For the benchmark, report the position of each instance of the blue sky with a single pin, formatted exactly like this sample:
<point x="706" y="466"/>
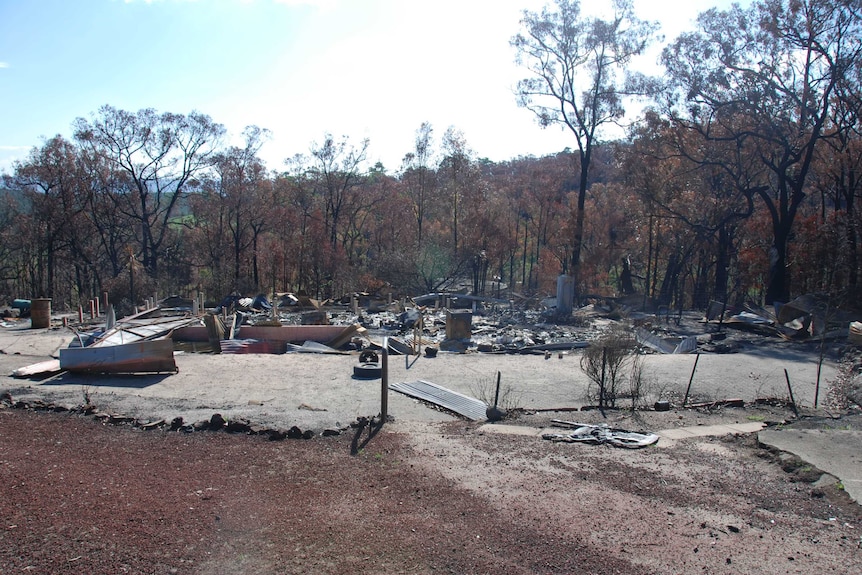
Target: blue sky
<point x="300" y="68"/>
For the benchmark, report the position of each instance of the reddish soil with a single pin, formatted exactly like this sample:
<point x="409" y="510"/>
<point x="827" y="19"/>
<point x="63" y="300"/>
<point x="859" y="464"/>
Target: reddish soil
<point x="78" y="496"/>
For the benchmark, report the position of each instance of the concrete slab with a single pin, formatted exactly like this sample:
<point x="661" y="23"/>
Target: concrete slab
<point x="503" y="429"/>
<point x="679" y="433"/>
<point x="837" y="452"/>
<point x="752" y="427"/>
<point x="710" y="430"/>
<point x="536" y="383"/>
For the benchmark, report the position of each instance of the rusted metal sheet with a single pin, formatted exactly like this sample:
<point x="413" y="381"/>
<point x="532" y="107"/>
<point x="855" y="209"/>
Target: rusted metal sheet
<point x="152" y="356"/>
<point x="469" y="407"/>
<point x="287" y="333"/>
<point x="346" y="336"/>
<point x="242" y="346"/>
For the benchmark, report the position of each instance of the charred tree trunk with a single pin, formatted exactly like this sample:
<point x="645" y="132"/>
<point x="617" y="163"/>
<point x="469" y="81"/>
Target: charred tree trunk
<point x="722" y="264"/>
<point x="626" y="285"/>
<point x="578" y="236"/>
<point x="777" y="287"/>
<point x="672" y="271"/>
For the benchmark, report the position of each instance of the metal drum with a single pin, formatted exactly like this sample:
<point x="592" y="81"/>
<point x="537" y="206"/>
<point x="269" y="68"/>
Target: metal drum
<point x="40" y="313"/>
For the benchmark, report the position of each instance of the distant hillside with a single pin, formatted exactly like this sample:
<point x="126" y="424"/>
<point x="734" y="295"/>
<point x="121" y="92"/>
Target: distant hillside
<point x="17" y="200"/>
<point x="14" y="199"/>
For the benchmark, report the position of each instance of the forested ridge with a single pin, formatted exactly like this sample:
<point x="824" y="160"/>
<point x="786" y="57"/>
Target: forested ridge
<point x="739" y="182"/>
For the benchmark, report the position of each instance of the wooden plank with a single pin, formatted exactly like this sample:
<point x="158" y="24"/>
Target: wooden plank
<point x="50" y="366"/>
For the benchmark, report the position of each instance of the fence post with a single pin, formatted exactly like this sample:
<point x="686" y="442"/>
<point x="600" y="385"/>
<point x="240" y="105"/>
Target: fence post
<point x="384" y="381"/>
<point x="690" y="379"/>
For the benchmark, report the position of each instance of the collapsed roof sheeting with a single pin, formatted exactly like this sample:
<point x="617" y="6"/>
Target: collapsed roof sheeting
<point x="652" y="341"/>
<point x="469" y="407"/>
<point x="143" y="356"/>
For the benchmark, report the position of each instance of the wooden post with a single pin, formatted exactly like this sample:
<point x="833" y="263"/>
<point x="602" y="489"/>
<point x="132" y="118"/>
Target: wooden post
<point x="602" y="383"/>
<point x="819" y="368"/>
<point x="790" y="390"/>
<point x="80" y="314"/>
<point x="418" y="329"/>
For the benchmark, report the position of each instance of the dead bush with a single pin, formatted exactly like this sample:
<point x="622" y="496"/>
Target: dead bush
<point x="486" y="388"/>
<point x="614" y="368"/>
<point x="638" y="383"/>
<point x="845" y="391"/>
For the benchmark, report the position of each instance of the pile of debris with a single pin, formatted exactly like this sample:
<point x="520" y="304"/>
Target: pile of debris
<point x="145" y="342"/>
<point x="806" y="317"/>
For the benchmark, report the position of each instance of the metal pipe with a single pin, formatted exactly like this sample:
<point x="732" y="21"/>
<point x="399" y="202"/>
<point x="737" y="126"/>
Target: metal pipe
<point x="690" y="379"/>
<point x="384" y="381"/>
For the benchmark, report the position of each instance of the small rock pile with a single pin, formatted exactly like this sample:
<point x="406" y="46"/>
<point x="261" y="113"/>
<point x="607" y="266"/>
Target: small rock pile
<point x="215" y="423"/>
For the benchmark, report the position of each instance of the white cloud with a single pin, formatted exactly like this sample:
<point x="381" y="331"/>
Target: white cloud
<point x="11" y="154"/>
<point x="4" y="64"/>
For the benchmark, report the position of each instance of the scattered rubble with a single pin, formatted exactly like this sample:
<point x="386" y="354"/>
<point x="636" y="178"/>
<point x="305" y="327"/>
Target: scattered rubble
<point x="448" y="322"/>
<point x="439" y="322"/>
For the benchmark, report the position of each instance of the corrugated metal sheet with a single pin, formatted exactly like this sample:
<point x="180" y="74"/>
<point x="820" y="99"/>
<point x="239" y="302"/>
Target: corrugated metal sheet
<point x="687" y="345"/>
<point x="469" y="407"/>
<point x="145" y="356"/>
<point x="242" y="346"/>
<point x="130" y="331"/>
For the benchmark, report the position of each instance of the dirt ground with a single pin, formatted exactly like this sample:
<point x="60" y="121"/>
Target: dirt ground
<point x="79" y="496"/>
<point x="425" y="493"/>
